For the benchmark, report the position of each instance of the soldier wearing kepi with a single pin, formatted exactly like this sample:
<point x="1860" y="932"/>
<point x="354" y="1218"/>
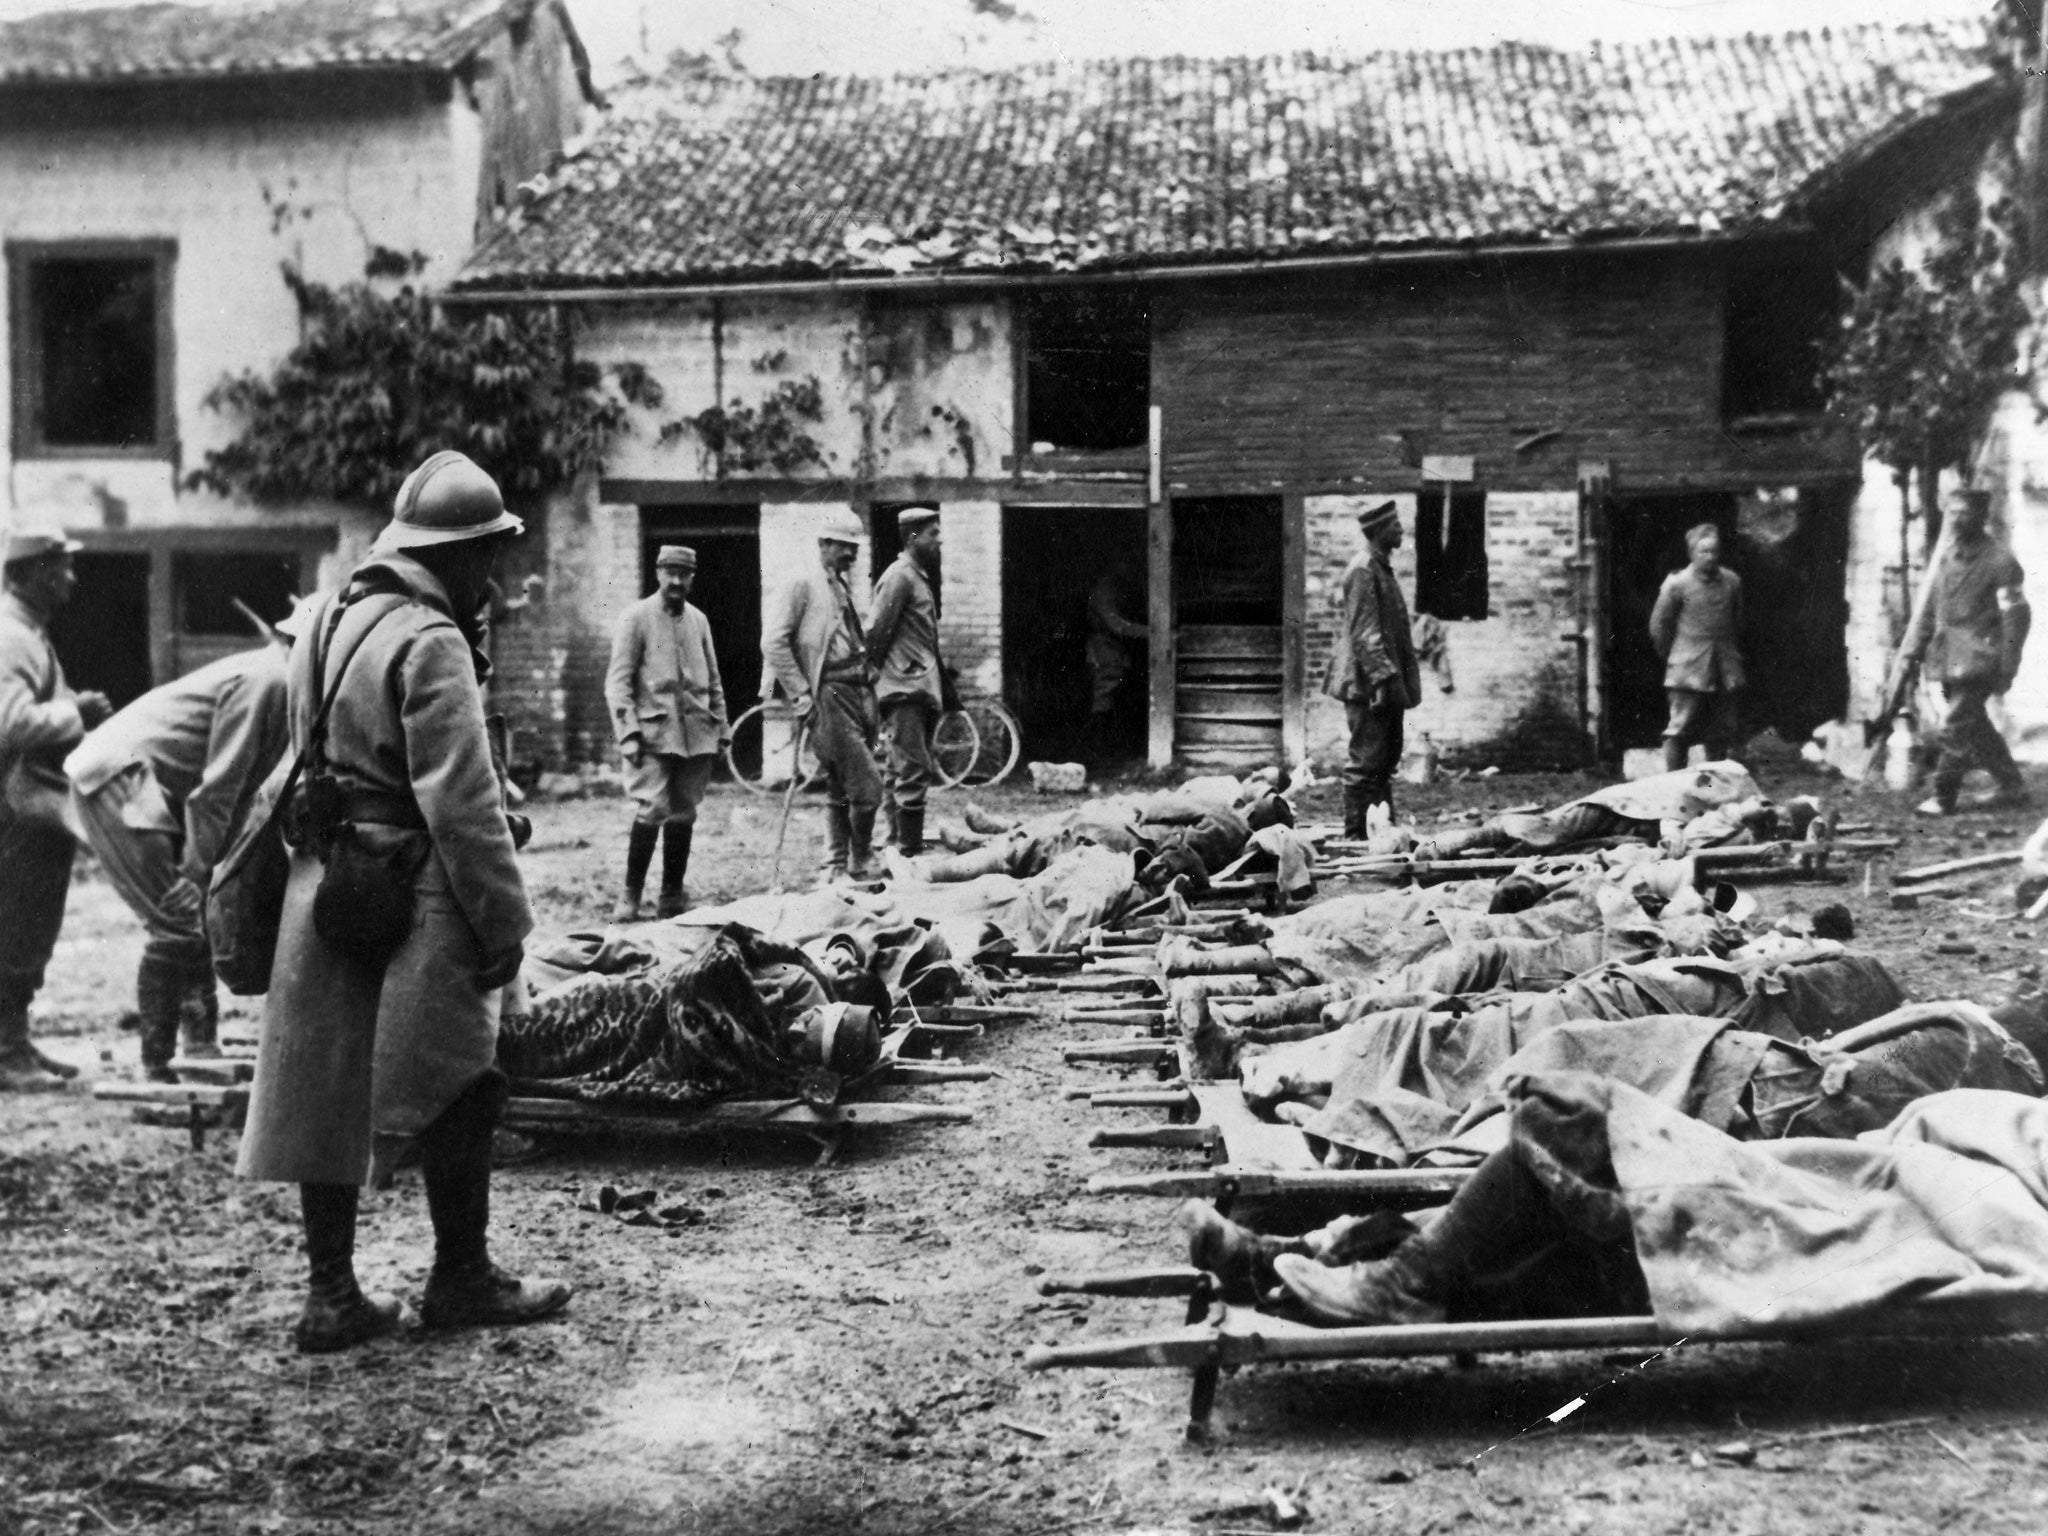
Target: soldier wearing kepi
<point x="1696" y="627"/>
<point x="910" y="686"/>
<point x="41" y="720"/>
<point x="1373" y="668"/>
<point x="378" y="1040"/>
<point x="816" y="646"/>
<point x="160" y="791"/>
<point x="1969" y="635"/>
<point x="668" y="712"/>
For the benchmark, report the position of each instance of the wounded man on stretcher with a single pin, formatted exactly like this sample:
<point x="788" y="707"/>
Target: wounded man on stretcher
<point x="1604" y="1201"/>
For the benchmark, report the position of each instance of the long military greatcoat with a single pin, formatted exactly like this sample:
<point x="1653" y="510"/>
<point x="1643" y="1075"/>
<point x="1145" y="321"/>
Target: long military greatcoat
<point x="356" y="1060"/>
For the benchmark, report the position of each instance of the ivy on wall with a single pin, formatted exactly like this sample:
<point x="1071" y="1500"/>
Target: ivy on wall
<point x="382" y="377"/>
<point x="746" y="439"/>
<point x="1925" y="352"/>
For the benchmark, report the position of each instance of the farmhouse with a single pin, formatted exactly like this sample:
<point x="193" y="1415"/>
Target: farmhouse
<point x="158" y="164"/>
<point x="1185" y="317"/>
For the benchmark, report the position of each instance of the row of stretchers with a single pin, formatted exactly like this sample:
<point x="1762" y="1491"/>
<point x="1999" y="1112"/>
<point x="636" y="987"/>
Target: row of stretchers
<point x="1801" y="1150"/>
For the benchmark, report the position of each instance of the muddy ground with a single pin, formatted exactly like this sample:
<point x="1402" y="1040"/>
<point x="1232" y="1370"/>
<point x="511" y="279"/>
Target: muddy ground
<point x="839" y="1349"/>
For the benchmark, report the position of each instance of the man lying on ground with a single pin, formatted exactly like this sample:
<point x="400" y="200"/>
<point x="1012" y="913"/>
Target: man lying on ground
<point x="1604" y="1201"/>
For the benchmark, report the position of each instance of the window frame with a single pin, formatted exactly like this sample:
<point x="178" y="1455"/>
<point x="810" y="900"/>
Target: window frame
<point x="1024" y="344"/>
<point x="1434" y="585"/>
<point x="25" y="347"/>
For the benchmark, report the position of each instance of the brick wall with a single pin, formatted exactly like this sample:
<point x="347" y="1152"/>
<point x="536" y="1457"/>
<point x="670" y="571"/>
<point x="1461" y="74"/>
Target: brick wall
<point x="1340" y="379"/>
<point x="971" y="623"/>
<point x="1515" y="699"/>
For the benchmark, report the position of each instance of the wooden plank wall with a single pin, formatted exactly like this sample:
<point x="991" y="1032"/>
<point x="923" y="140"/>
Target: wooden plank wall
<point x="1341" y="380"/>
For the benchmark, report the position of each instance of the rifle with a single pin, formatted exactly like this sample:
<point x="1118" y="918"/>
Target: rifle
<point x="1905" y="668"/>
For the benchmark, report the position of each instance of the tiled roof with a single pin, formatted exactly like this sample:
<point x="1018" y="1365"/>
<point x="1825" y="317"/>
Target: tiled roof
<point x="1134" y="163"/>
<point x="247" y="37"/>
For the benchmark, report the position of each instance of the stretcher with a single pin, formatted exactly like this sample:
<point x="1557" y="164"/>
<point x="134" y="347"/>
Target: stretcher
<point x="1218" y="1336"/>
<point x="213" y="1092"/>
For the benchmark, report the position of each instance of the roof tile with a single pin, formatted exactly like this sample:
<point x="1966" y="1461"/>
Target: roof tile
<point x="245" y="37"/>
<point x="1145" y="162"/>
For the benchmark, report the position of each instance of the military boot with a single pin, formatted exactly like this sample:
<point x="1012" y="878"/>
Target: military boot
<point x="465" y="1289"/>
<point x="838" y="838"/>
<point x="22" y="1067"/>
<point x="199" y="1011"/>
<point x="337" y="1314"/>
<point x="1237" y="1256"/>
<point x="159" y="999"/>
<point x="861" y="864"/>
<point x="639" y="855"/>
<point x="910" y="831"/>
<point x="675" y="864"/>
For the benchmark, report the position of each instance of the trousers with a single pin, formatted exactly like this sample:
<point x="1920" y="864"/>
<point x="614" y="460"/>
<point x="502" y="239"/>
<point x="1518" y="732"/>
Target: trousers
<point x="667" y="788"/>
<point x="844" y="737"/>
<point x="1375" y="747"/>
<point x="141" y="865"/>
<point x="35" y="877"/>
<point x="1969" y="740"/>
<point x="1703" y="717"/>
<point x="907" y="728"/>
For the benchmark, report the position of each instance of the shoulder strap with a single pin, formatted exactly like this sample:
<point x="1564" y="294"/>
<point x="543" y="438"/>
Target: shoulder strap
<point x="316" y="735"/>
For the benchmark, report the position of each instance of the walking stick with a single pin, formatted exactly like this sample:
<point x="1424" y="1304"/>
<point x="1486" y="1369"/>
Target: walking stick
<point x="796" y="752"/>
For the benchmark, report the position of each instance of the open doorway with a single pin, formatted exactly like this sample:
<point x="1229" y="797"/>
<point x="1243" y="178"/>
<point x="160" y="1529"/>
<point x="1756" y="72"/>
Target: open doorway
<point x="1052" y="559"/>
<point x="102" y="636"/>
<point x="1791" y="551"/>
<point x="727" y="540"/>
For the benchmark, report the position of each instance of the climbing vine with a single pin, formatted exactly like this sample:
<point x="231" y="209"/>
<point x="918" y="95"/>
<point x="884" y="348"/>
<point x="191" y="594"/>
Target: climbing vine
<point x="746" y="439"/>
<point x="382" y="377"/>
<point x="1925" y="352"/>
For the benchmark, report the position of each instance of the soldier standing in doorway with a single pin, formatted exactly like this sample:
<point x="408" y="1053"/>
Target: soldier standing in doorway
<point x="1109" y="660"/>
<point x="910" y="687"/>
<point x="816" y="647"/>
<point x="1696" y="627"/>
<point x="667" y="705"/>
<point x="1373" y="669"/>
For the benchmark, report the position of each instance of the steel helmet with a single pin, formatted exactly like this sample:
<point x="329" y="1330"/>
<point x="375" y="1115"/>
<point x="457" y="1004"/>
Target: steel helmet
<point x="447" y="499"/>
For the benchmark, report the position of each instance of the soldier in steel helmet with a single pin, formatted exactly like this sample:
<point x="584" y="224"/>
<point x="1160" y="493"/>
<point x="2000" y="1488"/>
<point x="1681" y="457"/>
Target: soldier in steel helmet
<point x="364" y="1059"/>
<point x="815" y="646"/>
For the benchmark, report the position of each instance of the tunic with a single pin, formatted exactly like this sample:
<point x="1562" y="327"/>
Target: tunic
<point x="663" y="684"/>
<point x="1374" y="642"/>
<point x="903" y="635"/>
<point x="1695" y="627"/>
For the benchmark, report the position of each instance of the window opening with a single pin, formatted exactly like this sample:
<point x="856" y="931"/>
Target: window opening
<point x="89" y="355"/>
<point x="1088" y="368"/>
<point x="1779" y="315"/>
<point x="206" y="585"/>
<point x="1450" y="550"/>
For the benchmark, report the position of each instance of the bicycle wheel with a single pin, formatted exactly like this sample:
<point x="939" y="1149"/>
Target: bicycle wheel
<point x="758" y="757"/>
<point x="955" y="746"/>
<point x="1001" y="741"/>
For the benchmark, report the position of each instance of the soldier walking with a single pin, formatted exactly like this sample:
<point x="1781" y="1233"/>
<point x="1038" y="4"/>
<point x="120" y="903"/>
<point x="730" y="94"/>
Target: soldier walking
<point x="1970" y="634"/>
<point x="668" y="712"/>
<point x="910" y="688"/>
<point x="816" y="647"/>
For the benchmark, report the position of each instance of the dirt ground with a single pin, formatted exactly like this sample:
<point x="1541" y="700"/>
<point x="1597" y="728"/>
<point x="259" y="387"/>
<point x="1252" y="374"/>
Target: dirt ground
<point x="839" y="1349"/>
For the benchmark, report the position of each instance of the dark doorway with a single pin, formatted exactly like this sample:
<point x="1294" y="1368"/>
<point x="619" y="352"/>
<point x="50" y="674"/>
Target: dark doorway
<point x="102" y="635"/>
<point x="727" y="540"/>
<point x="1052" y="559"/>
<point x="1791" y="554"/>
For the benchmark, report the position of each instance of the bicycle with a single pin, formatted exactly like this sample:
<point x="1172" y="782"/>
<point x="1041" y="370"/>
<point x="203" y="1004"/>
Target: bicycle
<point x="977" y="744"/>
